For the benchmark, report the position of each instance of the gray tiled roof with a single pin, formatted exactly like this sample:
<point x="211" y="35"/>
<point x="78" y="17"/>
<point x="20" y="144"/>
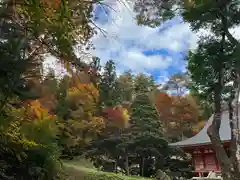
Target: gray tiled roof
<point x="202" y="137"/>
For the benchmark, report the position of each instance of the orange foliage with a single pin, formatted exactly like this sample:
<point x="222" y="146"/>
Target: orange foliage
<point x="117" y="116"/>
<point x="177" y="112"/>
<point x="163" y="104"/>
<point x="35" y="111"/>
<point x="51" y="3"/>
<point x="84" y="95"/>
<point x="83" y="99"/>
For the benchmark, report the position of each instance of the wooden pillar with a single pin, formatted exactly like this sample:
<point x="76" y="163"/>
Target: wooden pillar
<point x="203" y="158"/>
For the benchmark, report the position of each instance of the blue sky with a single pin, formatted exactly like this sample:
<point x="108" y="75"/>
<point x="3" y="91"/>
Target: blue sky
<point x="157" y="51"/>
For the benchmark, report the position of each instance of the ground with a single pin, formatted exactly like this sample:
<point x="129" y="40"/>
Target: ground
<point x="83" y="170"/>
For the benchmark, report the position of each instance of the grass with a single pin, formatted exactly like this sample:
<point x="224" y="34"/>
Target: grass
<point x="83" y="170"/>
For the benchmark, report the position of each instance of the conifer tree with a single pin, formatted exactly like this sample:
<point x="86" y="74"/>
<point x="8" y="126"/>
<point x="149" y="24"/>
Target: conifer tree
<point x="147" y="130"/>
<point x="109" y="95"/>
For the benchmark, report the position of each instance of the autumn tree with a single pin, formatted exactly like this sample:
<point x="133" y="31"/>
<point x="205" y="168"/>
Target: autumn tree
<point x="30" y="30"/>
<point x="178" y="114"/>
<point x="163" y="103"/>
<point x="78" y="104"/>
<point x="184" y="116"/>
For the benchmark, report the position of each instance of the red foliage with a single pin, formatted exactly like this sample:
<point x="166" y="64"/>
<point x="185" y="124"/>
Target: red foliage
<point x="112" y="114"/>
<point x="51" y="3"/>
<point x="164" y="95"/>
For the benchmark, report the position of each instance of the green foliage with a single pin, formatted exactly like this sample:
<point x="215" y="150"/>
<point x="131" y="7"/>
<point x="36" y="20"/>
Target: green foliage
<point x="30" y="30"/>
<point x="204" y="65"/>
<point x="141" y="145"/>
<point x="125" y="83"/>
<point x="147" y="131"/>
<point x="109" y="95"/>
<point x="143" y="84"/>
<point x="23" y="144"/>
<point x="153" y="12"/>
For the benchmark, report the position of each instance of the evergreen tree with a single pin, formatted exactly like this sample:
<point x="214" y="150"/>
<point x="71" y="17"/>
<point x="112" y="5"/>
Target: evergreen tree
<point x="125" y="83"/>
<point x="144" y="83"/>
<point x="109" y="95"/>
<point x="147" y="130"/>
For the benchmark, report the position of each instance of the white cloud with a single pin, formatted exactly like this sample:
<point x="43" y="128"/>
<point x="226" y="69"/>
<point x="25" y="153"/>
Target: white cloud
<point x="128" y="40"/>
<point x="124" y="41"/>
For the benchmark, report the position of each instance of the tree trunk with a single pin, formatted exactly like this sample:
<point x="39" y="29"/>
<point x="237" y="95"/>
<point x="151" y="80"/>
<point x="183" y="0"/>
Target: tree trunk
<point x="213" y="133"/>
<point x="142" y="166"/>
<point x="235" y="144"/>
<point x="228" y="169"/>
<point x="126" y="164"/>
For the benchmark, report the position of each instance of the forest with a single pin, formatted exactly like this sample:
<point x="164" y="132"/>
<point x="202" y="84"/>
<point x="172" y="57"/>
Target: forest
<point x="120" y="123"/>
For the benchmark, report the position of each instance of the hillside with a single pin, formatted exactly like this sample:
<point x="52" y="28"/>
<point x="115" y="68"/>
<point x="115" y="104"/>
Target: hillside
<point x="74" y="171"/>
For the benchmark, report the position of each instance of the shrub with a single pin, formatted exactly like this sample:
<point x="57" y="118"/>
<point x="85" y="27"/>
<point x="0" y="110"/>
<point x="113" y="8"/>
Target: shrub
<point x="27" y="148"/>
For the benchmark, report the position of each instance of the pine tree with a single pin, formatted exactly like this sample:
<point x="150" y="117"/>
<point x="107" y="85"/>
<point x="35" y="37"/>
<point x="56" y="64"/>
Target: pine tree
<point x="109" y="95"/>
<point x="147" y="130"/>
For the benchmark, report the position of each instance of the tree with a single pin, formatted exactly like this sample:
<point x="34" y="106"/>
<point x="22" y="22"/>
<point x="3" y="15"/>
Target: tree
<point x="147" y="131"/>
<point x="109" y="96"/>
<point x="178" y="114"/>
<point x="211" y="76"/>
<point x="163" y="103"/>
<point x="143" y="84"/>
<point x="30" y="30"/>
<point x="177" y="84"/>
<point x="204" y="103"/>
<point x="79" y="120"/>
<point x="219" y="16"/>
<point x="185" y="115"/>
<point x="125" y="82"/>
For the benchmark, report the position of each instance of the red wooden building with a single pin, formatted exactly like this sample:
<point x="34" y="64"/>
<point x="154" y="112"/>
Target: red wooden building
<point x="199" y="146"/>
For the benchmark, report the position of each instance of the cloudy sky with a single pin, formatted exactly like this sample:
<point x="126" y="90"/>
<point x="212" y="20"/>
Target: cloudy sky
<point x="158" y="51"/>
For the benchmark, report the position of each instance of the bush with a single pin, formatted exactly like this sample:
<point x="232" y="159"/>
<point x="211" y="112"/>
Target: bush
<point x="27" y="148"/>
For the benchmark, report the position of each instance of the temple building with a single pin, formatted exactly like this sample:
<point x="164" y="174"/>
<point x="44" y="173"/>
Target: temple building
<point x="199" y="146"/>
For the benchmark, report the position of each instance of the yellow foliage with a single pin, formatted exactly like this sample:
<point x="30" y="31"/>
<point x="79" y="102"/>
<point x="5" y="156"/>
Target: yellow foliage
<point x="84" y="124"/>
<point x="125" y="116"/>
<point x="117" y="116"/>
<point x="36" y="111"/>
<point x="84" y="95"/>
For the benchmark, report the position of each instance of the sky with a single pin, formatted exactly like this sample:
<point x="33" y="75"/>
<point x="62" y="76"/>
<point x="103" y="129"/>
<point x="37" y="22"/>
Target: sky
<point x="159" y="51"/>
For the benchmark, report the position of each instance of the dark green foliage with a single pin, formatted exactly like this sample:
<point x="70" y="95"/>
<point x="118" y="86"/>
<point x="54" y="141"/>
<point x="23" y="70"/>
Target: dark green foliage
<point x="141" y="148"/>
<point x="147" y="131"/>
<point x="109" y="95"/>
<point x="204" y="65"/>
<point x="13" y="68"/>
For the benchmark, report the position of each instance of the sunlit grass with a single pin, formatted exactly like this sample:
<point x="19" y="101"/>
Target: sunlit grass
<point x="83" y="170"/>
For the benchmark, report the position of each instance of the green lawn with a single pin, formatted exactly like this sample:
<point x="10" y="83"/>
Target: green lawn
<point x="77" y="170"/>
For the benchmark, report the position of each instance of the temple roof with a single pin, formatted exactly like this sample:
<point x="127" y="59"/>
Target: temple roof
<point x="202" y="137"/>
